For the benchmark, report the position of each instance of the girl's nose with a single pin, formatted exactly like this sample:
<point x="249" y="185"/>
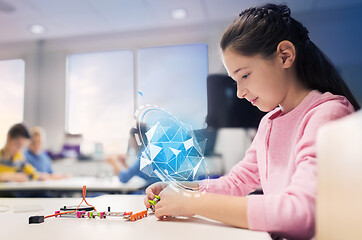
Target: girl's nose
<point x="242" y="93"/>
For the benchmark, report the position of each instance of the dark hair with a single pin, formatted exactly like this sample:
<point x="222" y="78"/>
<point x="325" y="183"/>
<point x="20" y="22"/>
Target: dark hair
<point x="259" y="30"/>
<point x="19" y="130"/>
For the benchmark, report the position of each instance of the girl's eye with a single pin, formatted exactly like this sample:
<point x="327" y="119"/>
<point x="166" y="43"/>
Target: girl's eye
<point x="245" y="76"/>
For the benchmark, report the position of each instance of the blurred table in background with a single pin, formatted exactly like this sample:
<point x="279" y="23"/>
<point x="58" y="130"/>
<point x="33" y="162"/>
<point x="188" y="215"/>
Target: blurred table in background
<point x="68" y="186"/>
<point x="97" y="175"/>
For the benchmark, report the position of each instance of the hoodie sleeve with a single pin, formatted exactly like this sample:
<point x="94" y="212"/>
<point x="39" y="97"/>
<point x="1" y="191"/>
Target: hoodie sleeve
<point x="242" y="179"/>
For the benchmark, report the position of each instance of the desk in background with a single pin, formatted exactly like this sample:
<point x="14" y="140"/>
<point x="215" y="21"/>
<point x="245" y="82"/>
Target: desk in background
<point x="75" y="184"/>
<point x="15" y="225"/>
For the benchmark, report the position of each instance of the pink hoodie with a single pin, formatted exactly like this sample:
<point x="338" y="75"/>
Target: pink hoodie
<point x="282" y="160"/>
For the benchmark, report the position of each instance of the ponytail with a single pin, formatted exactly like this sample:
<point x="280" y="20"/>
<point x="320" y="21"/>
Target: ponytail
<point x="317" y="72"/>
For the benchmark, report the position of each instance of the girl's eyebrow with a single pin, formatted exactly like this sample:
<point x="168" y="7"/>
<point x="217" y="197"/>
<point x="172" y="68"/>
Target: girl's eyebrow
<point x="239" y="69"/>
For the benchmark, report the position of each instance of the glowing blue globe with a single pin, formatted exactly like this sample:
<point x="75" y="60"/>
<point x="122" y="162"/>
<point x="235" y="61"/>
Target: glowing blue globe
<point x="171" y="150"/>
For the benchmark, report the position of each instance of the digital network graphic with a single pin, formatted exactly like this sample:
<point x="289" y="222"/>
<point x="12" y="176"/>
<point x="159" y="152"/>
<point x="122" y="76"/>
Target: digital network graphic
<point x="172" y="152"/>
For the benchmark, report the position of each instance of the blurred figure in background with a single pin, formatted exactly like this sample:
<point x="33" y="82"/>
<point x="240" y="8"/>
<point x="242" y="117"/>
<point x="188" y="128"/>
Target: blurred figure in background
<point x="12" y="163"/>
<point x="37" y="157"/>
<point x="119" y="162"/>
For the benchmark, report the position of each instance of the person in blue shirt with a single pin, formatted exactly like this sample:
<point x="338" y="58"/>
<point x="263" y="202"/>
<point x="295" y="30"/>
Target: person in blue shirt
<point x="36" y="156"/>
<point x="119" y="162"/>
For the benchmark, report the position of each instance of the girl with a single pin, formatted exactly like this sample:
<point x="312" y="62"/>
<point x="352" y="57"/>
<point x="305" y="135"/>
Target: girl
<point x="281" y="71"/>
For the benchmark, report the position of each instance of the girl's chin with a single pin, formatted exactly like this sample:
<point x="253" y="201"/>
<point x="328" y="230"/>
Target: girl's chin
<point x="264" y="108"/>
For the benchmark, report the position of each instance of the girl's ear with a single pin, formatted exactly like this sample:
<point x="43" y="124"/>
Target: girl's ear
<point x="286" y="53"/>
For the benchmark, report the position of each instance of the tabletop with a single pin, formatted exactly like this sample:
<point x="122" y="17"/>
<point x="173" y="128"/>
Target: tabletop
<point x="15" y="213"/>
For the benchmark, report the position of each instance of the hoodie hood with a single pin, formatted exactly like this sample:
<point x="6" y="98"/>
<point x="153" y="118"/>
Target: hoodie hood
<point x="311" y="101"/>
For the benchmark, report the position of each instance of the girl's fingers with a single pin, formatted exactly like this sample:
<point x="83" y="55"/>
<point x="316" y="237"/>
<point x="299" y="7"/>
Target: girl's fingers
<point x="160" y="217"/>
<point x="152" y="190"/>
<point x="160" y="213"/>
<point x="163" y="191"/>
<point x="158" y="188"/>
<point x="147" y="204"/>
<point x="158" y="205"/>
<point x="149" y="192"/>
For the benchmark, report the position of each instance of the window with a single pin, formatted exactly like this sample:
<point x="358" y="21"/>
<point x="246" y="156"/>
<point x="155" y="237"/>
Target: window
<point x="100" y="98"/>
<point x="101" y="94"/>
<point x="12" y="75"/>
<point x="174" y="77"/>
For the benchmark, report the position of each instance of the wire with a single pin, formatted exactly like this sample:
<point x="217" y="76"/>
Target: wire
<point x="84" y="191"/>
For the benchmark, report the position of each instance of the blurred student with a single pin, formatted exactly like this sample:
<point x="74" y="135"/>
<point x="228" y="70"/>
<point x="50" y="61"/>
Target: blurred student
<point x="119" y="162"/>
<point x="37" y="157"/>
<point x="12" y="163"/>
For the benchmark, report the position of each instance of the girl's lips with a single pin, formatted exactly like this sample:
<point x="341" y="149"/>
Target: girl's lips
<point x="253" y="101"/>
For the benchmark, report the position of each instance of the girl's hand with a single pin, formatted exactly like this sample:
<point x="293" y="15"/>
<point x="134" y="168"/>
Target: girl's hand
<point x="174" y="203"/>
<point x="152" y="190"/>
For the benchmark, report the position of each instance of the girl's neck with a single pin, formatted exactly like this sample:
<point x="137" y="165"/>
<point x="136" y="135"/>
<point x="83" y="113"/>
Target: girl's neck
<point x="293" y="98"/>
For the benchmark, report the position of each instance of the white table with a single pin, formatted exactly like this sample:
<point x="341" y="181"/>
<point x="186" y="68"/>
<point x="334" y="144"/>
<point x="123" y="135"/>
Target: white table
<point x="106" y="184"/>
<point x="16" y="226"/>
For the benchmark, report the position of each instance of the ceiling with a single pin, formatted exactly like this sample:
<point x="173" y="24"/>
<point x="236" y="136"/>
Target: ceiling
<point x="68" y="18"/>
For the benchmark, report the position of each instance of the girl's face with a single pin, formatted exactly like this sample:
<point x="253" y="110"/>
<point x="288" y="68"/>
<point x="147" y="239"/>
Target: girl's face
<point x="261" y="81"/>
